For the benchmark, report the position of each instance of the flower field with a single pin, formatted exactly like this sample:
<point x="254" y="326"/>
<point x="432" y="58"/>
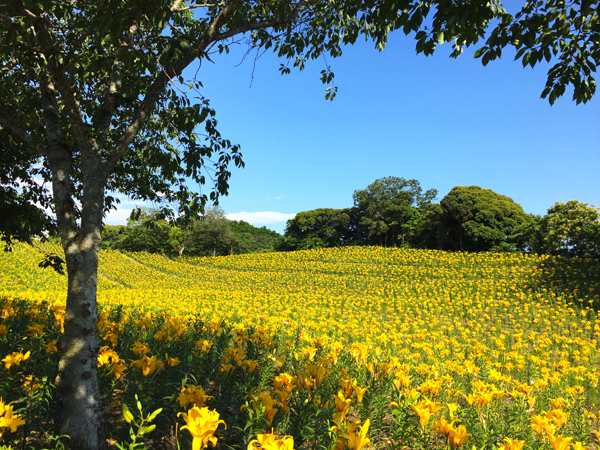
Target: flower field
<point x="322" y="349"/>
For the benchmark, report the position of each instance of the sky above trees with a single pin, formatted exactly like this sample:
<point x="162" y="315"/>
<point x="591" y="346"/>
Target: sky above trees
<point x="441" y="121"/>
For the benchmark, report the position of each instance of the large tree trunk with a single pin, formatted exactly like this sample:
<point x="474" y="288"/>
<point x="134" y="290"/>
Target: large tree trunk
<point x="78" y="395"/>
<point x="77" y="382"/>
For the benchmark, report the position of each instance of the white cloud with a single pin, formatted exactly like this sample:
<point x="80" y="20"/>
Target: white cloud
<point x="118" y="217"/>
<point x="261" y="218"/>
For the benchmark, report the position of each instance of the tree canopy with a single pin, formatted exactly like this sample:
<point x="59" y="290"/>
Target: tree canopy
<point x="390" y="209"/>
<point x="476" y="219"/>
<point x="568" y="229"/>
<point x="92" y="94"/>
<point x="323" y="227"/>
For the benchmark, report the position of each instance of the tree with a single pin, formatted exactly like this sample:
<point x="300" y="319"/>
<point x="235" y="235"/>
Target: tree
<point x="476" y="219"/>
<point x="251" y="239"/>
<point x="390" y="209"/>
<point x="570" y="229"/>
<point x="147" y="232"/>
<point x="97" y="99"/>
<point x="320" y="228"/>
<point x="212" y="235"/>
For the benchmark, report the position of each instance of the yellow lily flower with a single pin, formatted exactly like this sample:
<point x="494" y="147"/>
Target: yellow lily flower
<point x="202" y="424"/>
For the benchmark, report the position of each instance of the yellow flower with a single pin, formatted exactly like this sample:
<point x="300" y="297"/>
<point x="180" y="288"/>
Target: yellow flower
<point x="444" y="427"/>
<point x="139" y="348"/>
<point x="30" y="384"/>
<point x="359" y="392"/>
<point x="171" y="362"/>
<point x="270" y="404"/>
<point x="458" y="436"/>
<point x="203" y="345"/>
<point x="358" y="439"/>
<point x="118" y="368"/>
<point x="423" y="412"/>
<point x="579" y="446"/>
<point x="541" y="424"/>
<point x="512" y="444"/>
<point x="193" y="395"/>
<point x="8" y="419"/>
<point x="557" y="416"/>
<point x="146" y="365"/>
<point x="14" y="359"/>
<point x="559" y="403"/>
<point x="202" y="424"/>
<point x="35" y="330"/>
<point x="560" y="443"/>
<point x="107" y="355"/>
<point x="269" y="442"/>
<point x="51" y="346"/>
<point x="284" y="379"/>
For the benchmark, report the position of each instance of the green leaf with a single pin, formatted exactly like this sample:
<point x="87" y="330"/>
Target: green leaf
<point x="479" y="52"/>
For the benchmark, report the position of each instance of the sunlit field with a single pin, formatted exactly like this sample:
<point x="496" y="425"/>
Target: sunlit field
<point x="334" y="348"/>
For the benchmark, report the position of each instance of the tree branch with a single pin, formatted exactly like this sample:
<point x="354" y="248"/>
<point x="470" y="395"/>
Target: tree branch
<point x="175" y="7"/>
<point x="110" y="103"/>
<point x="44" y="38"/>
<point x="263" y="23"/>
<point x="25" y="137"/>
<point x="153" y="94"/>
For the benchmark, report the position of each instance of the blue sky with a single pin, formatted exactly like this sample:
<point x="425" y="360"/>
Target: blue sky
<point x="441" y="121"/>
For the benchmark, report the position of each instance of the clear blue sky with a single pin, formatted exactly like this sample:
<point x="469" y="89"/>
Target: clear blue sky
<point x="441" y="121"/>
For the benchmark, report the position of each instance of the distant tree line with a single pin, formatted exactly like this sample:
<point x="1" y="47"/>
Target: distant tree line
<point x="211" y="235"/>
<point x="394" y="212"/>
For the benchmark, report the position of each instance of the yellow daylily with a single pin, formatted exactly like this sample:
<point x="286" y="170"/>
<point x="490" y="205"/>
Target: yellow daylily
<point x="202" y="424"/>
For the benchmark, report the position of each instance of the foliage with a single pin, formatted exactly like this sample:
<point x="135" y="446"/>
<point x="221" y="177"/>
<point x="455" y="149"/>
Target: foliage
<point x="476" y="219"/>
<point x="574" y="229"/>
<point x="390" y="209"/>
<point x="21" y="196"/>
<point x="568" y="229"/>
<point x="148" y="234"/>
<point x="323" y="227"/>
<point x="251" y="239"/>
<point x="504" y="343"/>
<point x="212" y="233"/>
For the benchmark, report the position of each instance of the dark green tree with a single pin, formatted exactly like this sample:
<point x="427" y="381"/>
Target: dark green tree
<point x="92" y="89"/>
<point x="390" y="210"/>
<point x="211" y="235"/>
<point x="251" y="239"/>
<point x="320" y="228"/>
<point x="148" y="232"/>
<point x="476" y="219"/>
<point x="112" y="235"/>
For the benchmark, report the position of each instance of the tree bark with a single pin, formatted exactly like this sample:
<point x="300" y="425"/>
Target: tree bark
<point x="77" y="394"/>
<point x="77" y="383"/>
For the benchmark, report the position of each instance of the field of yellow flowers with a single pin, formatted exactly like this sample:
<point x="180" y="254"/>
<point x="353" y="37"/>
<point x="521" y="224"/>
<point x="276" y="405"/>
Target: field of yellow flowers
<point x="322" y="349"/>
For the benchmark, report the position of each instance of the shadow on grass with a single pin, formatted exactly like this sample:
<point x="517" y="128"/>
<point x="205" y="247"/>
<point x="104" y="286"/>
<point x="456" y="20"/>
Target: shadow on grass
<point x="577" y="280"/>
